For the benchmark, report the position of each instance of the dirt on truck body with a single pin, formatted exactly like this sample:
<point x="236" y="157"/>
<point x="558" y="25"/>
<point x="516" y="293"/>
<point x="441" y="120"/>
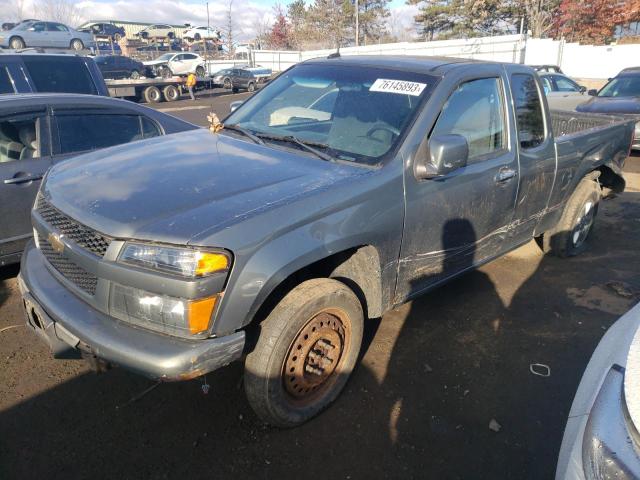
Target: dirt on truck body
<point x="344" y="188"/>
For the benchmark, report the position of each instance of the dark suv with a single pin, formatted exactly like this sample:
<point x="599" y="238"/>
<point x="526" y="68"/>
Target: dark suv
<point x="236" y="79"/>
<point x="46" y="73"/>
<point x="117" y="66"/>
<point x="104" y="30"/>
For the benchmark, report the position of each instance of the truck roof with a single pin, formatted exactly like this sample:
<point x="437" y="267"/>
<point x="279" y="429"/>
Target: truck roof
<point x="414" y="63"/>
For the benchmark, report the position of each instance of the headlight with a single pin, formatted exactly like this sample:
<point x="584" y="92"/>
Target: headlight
<point x="171" y="315"/>
<point x="186" y="262"/>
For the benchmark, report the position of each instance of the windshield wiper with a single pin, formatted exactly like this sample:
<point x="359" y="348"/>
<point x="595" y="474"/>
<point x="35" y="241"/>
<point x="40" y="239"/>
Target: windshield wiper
<point x="245" y="132"/>
<point x="306" y="145"/>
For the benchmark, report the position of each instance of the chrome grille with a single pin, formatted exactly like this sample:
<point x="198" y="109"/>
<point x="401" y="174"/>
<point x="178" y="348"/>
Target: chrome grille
<point x="69" y="270"/>
<point x="85" y="237"/>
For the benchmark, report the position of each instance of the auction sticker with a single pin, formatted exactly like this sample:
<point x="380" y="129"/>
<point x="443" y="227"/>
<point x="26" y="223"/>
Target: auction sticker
<point x="397" y="86"/>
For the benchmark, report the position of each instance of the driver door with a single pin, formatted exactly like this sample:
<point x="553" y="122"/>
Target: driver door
<point x="462" y="218"/>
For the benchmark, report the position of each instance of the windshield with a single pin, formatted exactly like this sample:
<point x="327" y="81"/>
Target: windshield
<point x="351" y="113"/>
<point x="166" y="56"/>
<point x="621" y="87"/>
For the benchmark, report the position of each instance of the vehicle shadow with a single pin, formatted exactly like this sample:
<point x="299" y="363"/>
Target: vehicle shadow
<point x="437" y="372"/>
<point x="6" y="273"/>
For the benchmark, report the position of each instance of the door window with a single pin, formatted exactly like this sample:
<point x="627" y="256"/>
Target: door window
<point x="60" y="75"/>
<point x="38" y="27"/>
<point x="530" y="120"/>
<point x="547" y="85"/>
<point x="6" y="86"/>
<point x="565" y="85"/>
<point x="80" y="133"/>
<point x="19" y="140"/>
<point x="476" y="112"/>
<point x="56" y="27"/>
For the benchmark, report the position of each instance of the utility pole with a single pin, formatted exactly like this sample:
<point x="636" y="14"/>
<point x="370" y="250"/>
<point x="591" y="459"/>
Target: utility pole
<point x="357" y="24"/>
<point x="208" y="26"/>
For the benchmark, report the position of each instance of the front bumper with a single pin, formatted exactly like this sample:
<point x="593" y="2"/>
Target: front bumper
<point x="66" y="322"/>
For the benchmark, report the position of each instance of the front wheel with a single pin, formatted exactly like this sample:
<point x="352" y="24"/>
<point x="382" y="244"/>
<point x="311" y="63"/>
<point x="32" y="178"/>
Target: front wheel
<point x="117" y="37"/>
<point x="77" y="45"/>
<point x="166" y="72"/>
<point x="17" y="43"/>
<point x="251" y="87"/>
<point x="200" y="72"/>
<point x="307" y="348"/>
<point x="568" y="237"/>
<point x="134" y="75"/>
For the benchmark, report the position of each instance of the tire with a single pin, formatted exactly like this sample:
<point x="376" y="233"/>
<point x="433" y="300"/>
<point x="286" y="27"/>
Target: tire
<point x="251" y="87"/>
<point x="171" y="35"/>
<point x="197" y="37"/>
<point x="152" y="95"/>
<point x="235" y="89"/>
<point x="134" y="75"/>
<point x="77" y="44"/>
<point x="323" y="319"/>
<point x="227" y="83"/>
<point x="200" y="72"/>
<point x="117" y="37"/>
<point x="171" y="93"/>
<point x="165" y="72"/>
<point x="17" y="43"/>
<point x="568" y="238"/>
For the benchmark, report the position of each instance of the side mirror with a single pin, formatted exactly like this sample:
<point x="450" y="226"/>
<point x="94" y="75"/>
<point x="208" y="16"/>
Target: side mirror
<point x="593" y="92"/>
<point x="446" y="153"/>
<point x="233" y="106"/>
<point x="583" y="89"/>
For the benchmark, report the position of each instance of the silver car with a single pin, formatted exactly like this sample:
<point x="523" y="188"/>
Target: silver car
<point x="45" y="34"/>
<point x="562" y="92"/>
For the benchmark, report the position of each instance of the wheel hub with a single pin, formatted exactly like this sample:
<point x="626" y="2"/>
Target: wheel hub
<point x="314" y="355"/>
<point x="583" y="225"/>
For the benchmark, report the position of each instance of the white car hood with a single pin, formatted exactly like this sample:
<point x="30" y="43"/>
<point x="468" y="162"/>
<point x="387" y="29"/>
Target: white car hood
<point x="150" y="63"/>
<point x="632" y="380"/>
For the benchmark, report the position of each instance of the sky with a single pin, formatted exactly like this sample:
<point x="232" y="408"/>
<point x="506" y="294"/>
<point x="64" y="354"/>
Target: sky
<point x="248" y="14"/>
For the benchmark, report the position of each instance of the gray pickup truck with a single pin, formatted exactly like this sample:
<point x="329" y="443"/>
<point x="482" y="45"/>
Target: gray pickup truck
<point x="344" y="188"/>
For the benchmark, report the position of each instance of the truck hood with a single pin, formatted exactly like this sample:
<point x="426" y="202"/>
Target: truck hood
<point x="610" y="105"/>
<point x="171" y="188"/>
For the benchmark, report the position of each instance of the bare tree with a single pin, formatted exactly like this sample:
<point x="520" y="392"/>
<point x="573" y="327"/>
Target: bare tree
<point x="540" y="15"/>
<point x="229" y="30"/>
<point x="64" y="11"/>
<point x="261" y="27"/>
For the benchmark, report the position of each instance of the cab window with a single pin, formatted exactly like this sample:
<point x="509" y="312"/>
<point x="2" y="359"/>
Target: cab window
<point x="530" y="120"/>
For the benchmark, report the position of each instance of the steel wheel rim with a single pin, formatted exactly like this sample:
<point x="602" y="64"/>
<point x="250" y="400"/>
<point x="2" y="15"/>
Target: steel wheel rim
<point x="316" y="355"/>
<point x="583" y="225"/>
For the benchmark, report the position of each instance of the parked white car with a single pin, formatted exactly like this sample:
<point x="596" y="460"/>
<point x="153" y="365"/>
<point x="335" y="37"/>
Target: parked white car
<point x="179" y="63"/>
<point x="159" y="30"/>
<point x="601" y="436"/>
<point x="199" y="33"/>
<point x="562" y="92"/>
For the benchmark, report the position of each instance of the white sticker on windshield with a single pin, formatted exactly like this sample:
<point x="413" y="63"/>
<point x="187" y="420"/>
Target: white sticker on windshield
<point x="397" y="86"/>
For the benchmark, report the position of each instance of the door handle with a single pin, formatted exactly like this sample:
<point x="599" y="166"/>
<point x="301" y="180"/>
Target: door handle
<point x="505" y="174"/>
<point x="22" y="179"/>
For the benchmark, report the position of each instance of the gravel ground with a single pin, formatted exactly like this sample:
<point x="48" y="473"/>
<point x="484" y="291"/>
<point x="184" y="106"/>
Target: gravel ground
<point x="436" y="374"/>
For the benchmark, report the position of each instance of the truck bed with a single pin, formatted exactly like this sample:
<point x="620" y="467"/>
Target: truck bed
<point x="565" y="123"/>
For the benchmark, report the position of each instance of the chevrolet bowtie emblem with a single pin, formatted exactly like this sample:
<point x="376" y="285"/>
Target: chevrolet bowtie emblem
<point x="56" y="243"/>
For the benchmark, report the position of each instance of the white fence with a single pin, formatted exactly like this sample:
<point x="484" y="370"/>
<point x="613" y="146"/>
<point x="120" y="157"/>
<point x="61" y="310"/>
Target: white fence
<point x="581" y="61"/>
